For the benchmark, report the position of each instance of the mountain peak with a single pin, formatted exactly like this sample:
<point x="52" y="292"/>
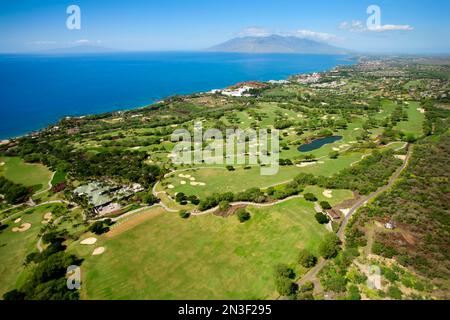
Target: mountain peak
<point x="277" y="44"/>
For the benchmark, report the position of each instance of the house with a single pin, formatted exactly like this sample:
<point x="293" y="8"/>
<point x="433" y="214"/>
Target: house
<point x="390" y="225"/>
<point x="333" y="214"/>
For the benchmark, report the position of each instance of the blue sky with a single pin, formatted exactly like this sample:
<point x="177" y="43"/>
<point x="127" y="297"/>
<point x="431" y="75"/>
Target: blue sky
<point x="406" y="26"/>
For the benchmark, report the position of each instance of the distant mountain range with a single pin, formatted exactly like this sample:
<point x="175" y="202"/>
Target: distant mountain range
<point x="277" y="44"/>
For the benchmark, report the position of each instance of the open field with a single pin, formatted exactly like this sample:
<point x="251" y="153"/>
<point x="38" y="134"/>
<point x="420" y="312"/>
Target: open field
<point x="32" y="175"/>
<point x="207" y="257"/>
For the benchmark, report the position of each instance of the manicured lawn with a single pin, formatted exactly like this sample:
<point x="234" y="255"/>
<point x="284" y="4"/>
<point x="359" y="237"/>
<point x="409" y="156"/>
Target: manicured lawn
<point x="221" y="180"/>
<point x="205" y="257"/>
<point x="15" y="246"/>
<point x="16" y="170"/>
<point x="414" y="125"/>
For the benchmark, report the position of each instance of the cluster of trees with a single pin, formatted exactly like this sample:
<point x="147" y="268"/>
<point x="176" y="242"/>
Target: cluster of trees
<point x="101" y="227"/>
<point x="14" y="193"/>
<point x="183" y="199"/>
<point x="47" y="278"/>
<point x="123" y="165"/>
<point x="252" y="195"/>
<point x="366" y="176"/>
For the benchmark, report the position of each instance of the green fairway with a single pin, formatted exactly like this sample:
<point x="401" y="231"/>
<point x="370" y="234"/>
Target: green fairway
<point x="414" y="125"/>
<point x="32" y="175"/>
<point x="15" y="246"/>
<point x="206" y="257"/>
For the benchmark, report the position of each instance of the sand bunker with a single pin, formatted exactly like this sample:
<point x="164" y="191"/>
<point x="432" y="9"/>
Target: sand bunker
<point x="98" y="251"/>
<point x="421" y="110"/>
<point x="186" y="176"/>
<point x="192" y="178"/>
<point x="182" y="182"/>
<point x="2" y="164"/>
<point x="47" y="218"/>
<point x="306" y="164"/>
<point x="170" y="186"/>
<point x="400" y="156"/>
<point x="17" y="220"/>
<point x="328" y="193"/>
<point x="194" y="183"/>
<point x="24" y="227"/>
<point x="345" y="211"/>
<point x="89" y="241"/>
<point x="336" y="149"/>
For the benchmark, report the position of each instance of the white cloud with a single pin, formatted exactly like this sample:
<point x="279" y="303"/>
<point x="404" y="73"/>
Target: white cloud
<point x="302" y="33"/>
<point x="359" y="26"/>
<point x="313" y="35"/>
<point x="83" y="41"/>
<point x="393" y="27"/>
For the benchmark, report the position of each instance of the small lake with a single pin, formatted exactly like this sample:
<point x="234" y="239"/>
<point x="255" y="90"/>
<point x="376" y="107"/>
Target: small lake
<point x="318" y="143"/>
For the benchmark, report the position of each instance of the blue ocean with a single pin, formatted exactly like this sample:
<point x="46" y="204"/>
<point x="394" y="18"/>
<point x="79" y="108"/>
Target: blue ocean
<point x="38" y="90"/>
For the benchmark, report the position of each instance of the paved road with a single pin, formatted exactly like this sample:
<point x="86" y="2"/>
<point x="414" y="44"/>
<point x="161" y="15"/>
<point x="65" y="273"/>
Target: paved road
<point x="311" y="275"/>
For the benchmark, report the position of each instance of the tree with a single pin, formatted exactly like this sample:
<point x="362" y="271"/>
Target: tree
<point x="306" y="258"/>
<point x="285" y="286"/>
<point x="310" y="197"/>
<point x="98" y="228"/>
<point x="243" y="215"/>
<point x="325" y="205"/>
<point x="329" y="247"/>
<point x="334" y="154"/>
<point x="184" y="214"/>
<point x="284" y="271"/>
<point x="224" y="205"/>
<point x="394" y="292"/>
<point x="353" y="293"/>
<point x="321" y="218"/>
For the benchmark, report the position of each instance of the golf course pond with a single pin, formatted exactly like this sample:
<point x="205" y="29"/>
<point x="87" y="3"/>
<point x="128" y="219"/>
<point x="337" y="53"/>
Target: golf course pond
<point x="318" y="143"/>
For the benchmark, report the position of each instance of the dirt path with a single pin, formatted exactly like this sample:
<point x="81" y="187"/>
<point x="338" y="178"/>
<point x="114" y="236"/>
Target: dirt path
<point x="49" y="187"/>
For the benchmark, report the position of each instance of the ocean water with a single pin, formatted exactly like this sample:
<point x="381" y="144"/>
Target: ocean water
<point x="38" y="90"/>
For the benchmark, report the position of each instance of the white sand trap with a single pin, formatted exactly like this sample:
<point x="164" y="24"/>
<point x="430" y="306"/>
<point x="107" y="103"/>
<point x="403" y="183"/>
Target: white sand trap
<point x="400" y="156"/>
<point x="192" y="178"/>
<point x="356" y="129"/>
<point x="186" y="176"/>
<point x="305" y="164"/>
<point x="24" y="227"/>
<point x="170" y="186"/>
<point x="98" y="251"/>
<point x="328" y="193"/>
<point x="321" y="162"/>
<point x="344" y="146"/>
<point x="89" y="241"/>
<point x="201" y="184"/>
<point x="182" y="182"/>
<point x="17" y="220"/>
<point x="2" y="164"/>
<point x="353" y="142"/>
<point x="135" y="148"/>
<point x="421" y="110"/>
<point x="336" y="149"/>
<point x="345" y="211"/>
<point x="47" y="218"/>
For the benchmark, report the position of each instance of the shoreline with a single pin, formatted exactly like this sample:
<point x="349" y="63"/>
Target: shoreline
<point x="6" y="140"/>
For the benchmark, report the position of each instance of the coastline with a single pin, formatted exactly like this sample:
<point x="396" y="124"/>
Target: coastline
<point x="354" y="59"/>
